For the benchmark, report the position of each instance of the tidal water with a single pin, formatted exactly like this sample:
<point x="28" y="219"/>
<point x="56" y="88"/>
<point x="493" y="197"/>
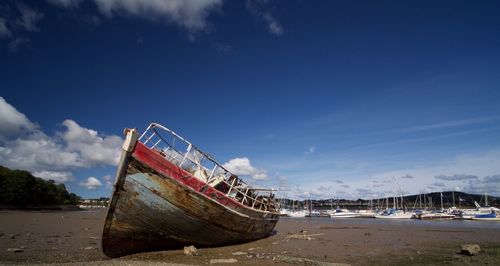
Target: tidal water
<point x="398" y="222"/>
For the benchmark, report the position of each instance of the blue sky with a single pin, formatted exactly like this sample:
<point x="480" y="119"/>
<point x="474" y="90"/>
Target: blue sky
<point x="320" y="99"/>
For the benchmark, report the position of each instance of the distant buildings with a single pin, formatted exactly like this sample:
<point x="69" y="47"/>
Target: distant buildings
<point x="100" y="203"/>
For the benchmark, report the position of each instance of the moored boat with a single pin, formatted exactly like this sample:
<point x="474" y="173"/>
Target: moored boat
<point x="493" y="216"/>
<point x="394" y="214"/>
<point x="436" y="216"/>
<point x="169" y="194"/>
<point x="343" y="213"/>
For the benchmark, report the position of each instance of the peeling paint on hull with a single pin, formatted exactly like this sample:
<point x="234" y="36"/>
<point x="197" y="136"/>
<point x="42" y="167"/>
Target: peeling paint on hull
<point x="158" y="206"/>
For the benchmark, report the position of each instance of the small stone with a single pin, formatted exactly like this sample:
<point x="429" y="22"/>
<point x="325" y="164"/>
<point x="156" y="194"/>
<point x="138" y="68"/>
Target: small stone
<point x="239" y="253"/>
<point x="215" y="261"/>
<point x="12" y="236"/>
<point x="469" y="249"/>
<point x="367" y="234"/>
<point x="191" y="251"/>
<point x="15" y="250"/>
<point x="419" y="252"/>
<point x="89" y="248"/>
<point x="85" y="229"/>
<point x="23" y="247"/>
<point x="54" y="248"/>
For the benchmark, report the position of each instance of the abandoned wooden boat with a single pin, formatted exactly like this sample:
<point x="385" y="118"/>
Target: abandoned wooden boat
<point x="169" y="194"/>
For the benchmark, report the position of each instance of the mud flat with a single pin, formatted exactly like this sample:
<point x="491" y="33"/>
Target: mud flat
<point x="30" y="237"/>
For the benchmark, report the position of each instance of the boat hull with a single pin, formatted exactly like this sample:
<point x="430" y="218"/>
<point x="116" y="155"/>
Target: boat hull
<point x="437" y="217"/>
<point x="157" y="206"/>
<point x="394" y="216"/>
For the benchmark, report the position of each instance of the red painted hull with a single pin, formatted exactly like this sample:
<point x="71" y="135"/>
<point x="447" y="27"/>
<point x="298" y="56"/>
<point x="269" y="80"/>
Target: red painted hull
<point x="157" y="205"/>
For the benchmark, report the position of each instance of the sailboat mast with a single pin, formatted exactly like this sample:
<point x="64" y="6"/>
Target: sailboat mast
<point x="442" y="201"/>
<point x="453" y="195"/>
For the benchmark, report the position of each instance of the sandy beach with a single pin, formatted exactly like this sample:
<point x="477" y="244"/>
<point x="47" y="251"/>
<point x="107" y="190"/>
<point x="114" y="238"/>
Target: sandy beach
<point x="74" y="236"/>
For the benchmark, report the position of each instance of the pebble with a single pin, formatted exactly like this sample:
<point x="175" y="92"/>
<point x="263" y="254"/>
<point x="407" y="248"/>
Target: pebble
<point x="470" y="249"/>
<point x="191" y="251"/>
<point x="15" y="250"/>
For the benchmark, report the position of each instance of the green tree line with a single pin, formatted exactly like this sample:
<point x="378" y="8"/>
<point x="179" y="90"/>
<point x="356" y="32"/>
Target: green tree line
<point x="20" y="187"/>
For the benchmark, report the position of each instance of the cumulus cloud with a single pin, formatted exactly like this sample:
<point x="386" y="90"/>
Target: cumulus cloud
<point x="93" y="149"/>
<point x="259" y="9"/>
<point x="456" y="177"/>
<point x="23" y="145"/>
<point x="242" y="166"/>
<point x="12" y="121"/>
<point x="190" y="14"/>
<point x="57" y="176"/>
<point x="91" y="183"/>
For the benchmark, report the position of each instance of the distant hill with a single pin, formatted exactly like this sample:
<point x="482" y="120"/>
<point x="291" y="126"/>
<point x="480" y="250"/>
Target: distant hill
<point x="21" y="188"/>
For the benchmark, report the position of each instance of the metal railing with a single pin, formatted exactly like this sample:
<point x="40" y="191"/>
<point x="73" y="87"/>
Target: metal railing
<point x="204" y="167"/>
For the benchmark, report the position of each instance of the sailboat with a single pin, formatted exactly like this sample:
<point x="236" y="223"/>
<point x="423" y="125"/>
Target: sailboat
<point x="441" y="215"/>
<point x="395" y="213"/>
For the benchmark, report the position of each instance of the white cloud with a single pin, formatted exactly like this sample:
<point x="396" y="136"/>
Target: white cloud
<point x="91" y="183"/>
<point x="58" y="177"/>
<point x="242" y="166"/>
<point x="12" y="121"/>
<point x="93" y="149"/>
<point x="190" y="14"/>
<point x="65" y="3"/>
<point x="23" y="145"/>
<point x="108" y="180"/>
<point x="37" y="152"/>
<point x="4" y="30"/>
<point x="272" y="24"/>
<point x="29" y="17"/>
<point x="258" y="9"/>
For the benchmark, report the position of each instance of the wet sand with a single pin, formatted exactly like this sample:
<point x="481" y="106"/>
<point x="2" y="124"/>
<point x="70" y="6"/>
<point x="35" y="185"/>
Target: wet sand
<point x="69" y="237"/>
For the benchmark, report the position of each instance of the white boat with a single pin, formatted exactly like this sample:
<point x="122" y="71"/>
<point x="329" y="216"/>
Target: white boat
<point x="394" y="214"/>
<point x="437" y="216"/>
<point x="366" y="213"/>
<point x="344" y="213"/>
<point x="297" y="214"/>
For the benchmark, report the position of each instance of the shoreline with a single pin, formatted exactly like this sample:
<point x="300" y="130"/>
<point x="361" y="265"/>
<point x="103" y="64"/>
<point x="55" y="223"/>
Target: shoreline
<point x="75" y="236"/>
